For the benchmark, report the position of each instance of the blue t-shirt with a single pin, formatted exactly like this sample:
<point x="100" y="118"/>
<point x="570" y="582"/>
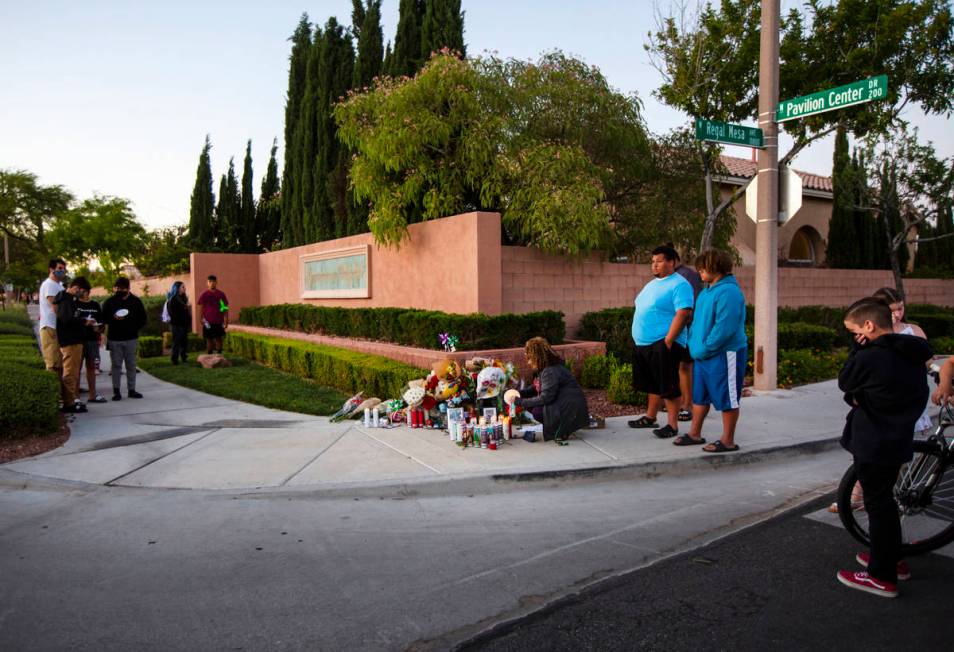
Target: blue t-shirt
<point x="656" y="307"/>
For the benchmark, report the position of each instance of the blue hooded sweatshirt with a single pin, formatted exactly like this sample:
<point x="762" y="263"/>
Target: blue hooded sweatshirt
<point x="718" y="323"/>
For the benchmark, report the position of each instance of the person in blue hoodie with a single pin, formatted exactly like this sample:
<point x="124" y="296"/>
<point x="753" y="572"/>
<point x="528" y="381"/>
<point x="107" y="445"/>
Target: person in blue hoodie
<point x="718" y="345"/>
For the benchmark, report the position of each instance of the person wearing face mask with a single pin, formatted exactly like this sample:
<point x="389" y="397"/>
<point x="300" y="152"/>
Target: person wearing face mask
<point x="125" y="316"/>
<point x="51" y="286"/>
<point x="71" y="326"/>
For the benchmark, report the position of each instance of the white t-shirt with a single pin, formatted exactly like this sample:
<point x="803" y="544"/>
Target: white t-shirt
<point x="49" y="288"/>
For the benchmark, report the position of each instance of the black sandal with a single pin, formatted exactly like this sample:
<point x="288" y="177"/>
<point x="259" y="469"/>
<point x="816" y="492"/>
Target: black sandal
<point x="719" y="447"/>
<point x="686" y="440"/>
<point x="643" y="422"/>
<point x="684" y="415"/>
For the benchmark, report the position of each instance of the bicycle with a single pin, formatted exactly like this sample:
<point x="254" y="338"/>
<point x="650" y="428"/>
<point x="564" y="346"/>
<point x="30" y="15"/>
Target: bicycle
<point x="924" y="493"/>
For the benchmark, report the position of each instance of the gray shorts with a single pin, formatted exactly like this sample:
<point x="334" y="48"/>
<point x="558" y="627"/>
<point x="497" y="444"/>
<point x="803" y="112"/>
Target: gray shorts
<point x="91" y="350"/>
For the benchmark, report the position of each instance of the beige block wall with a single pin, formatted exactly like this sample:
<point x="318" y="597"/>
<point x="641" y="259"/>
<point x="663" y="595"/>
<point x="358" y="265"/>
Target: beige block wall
<point x="237" y="277"/>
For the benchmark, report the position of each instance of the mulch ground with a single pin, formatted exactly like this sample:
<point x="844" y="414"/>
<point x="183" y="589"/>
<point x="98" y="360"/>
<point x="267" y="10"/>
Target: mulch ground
<point x="600" y="406"/>
<point x="17" y="449"/>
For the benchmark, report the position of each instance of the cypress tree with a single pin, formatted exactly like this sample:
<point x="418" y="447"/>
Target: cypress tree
<point x="305" y="143"/>
<point x="267" y="214"/>
<point x="202" y="204"/>
<point x="228" y="216"/>
<point x="335" y="74"/>
<point x="366" y="26"/>
<point x="247" y="205"/>
<point x="388" y="59"/>
<point x="406" y="57"/>
<point x="442" y="27"/>
<point x="870" y="238"/>
<point x="843" y="244"/>
<point x="289" y="212"/>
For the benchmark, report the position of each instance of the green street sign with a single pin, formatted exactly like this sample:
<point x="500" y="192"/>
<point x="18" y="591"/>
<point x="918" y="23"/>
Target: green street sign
<point x="723" y="132"/>
<point x="866" y="90"/>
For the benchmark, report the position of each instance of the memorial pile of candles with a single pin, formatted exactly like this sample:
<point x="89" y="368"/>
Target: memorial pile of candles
<point x="480" y="434"/>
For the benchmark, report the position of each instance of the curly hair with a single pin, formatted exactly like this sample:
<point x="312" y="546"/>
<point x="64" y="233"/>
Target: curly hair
<point x="714" y="262"/>
<point x="540" y="354"/>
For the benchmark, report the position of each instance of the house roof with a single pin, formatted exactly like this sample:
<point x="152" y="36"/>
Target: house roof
<point x="745" y="168"/>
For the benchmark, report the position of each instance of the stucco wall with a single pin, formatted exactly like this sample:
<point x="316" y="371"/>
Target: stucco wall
<point x="237" y="276"/>
<point x="452" y="264"/>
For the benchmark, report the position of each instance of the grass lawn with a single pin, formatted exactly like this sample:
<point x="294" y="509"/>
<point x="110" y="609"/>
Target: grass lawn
<point x="250" y="382"/>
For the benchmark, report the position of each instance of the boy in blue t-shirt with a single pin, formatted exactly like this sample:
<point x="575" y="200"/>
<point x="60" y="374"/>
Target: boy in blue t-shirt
<point x="662" y="310"/>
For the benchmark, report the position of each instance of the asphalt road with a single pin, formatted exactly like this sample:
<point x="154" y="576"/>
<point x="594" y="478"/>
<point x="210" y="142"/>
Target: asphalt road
<point x="771" y="587"/>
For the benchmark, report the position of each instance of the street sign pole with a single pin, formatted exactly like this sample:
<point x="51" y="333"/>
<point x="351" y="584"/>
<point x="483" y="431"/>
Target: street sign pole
<point x="766" y="228"/>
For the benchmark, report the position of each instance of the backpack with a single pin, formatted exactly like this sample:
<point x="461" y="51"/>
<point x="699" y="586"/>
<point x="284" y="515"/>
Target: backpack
<point x="166" y="318"/>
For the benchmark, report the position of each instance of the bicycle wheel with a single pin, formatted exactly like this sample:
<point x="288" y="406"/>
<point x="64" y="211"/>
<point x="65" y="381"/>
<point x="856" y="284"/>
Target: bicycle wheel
<point x="927" y="517"/>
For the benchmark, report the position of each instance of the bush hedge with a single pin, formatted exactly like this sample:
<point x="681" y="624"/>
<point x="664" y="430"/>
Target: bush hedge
<point x="28" y="392"/>
<point x="613" y="326"/>
<point x="348" y="371"/>
<point x="411" y="327"/>
<point x="620" y="388"/>
<point x="149" y="346"/>
<point x="803" y="366"/>
<point x="597" y="370"/>
<point x="943" y="345"/>
<point x="939" y="324"/>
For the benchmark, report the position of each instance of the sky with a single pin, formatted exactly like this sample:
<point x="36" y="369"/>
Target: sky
<point x="116" y="97"/>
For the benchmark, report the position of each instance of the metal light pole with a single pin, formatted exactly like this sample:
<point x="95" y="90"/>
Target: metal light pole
<point x="766" y="229"/>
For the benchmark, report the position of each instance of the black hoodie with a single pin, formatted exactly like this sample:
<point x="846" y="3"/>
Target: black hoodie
<point x="885" y="382"/>
<point x="70" y="323"/>
<point x="121" y="330"/>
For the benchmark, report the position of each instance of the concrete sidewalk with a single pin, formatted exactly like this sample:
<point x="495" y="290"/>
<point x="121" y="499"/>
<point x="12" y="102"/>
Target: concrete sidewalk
<point x="184" y="439"/>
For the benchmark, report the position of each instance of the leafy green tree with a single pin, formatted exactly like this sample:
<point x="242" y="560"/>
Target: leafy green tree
<point x="549" y="145"/>
<point x="268" y="212"/>
<point x="291" y="174"/>
<point x="442" y="28"/>
<point x="247" y="237"/>
<point x="164" y="252"/>
<point x="709" y="61"/>
<point x="406" y="59"/>
<point x="202" y="203"/>
<point x="27" y="210"/>
<point x="102" y="229"/>
<point x="911" y="186"/>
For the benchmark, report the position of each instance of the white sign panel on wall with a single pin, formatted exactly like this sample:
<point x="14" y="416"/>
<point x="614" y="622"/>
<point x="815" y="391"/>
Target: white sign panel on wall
<point x="337" y="274"/>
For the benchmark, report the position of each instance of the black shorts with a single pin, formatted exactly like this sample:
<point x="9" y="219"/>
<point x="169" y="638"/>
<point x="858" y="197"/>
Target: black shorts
<point x="656" y="369"/>
<point x="213" y="331"/>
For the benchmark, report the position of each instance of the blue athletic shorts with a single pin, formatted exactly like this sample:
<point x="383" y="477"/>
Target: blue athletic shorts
<point x="717" y="381"/>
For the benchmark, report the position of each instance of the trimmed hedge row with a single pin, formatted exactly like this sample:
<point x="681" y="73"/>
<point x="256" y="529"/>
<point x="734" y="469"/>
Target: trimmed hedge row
<point x="614" y="326"/>
<point x="149" y="346"/>
<point x="935" y="325"/>
<point x="28" y="392"/>
<point x="348" y="371"/>
<point x="410" y="327"/>
<point x="194" y="343"/>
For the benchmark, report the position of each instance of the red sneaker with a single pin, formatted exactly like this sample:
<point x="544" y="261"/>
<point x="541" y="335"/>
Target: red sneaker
<point x="904" y="573"/>
<point x="864" y="582"/>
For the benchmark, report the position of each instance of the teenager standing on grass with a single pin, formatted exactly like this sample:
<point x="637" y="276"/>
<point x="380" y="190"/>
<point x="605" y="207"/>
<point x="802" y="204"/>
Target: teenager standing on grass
<point x="719" y="347"/>
<point x="125" y="316"/>
<point x="215" y="315"/>
<point x="180" y="319"/>
<point x="885" y="385"/>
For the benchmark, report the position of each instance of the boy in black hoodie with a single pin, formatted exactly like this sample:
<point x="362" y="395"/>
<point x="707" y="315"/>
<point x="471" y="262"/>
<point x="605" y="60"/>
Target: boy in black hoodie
<point x="125" y="316"/>
<point x="71" y="326"/>
<point x="885" y="383"/>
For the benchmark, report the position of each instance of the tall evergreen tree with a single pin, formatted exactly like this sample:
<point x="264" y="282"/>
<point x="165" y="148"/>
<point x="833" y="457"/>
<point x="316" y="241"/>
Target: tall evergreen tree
<point x="870" y="238"/>
<point x="202" y="204"/>
<point x="268" y="212"/>
<point x="306" y="145"/>
<point x="442" y="27"/>
<point x="843" y="245"/>
<point x="388" y="58"/>
<point x="247" y="242"/>
<point x="335" y="73"/>
<point x="228" y="211"/>
<point x="297" y="68"/>
<point x="366" y="27"/>
<point x="406" y="56"/>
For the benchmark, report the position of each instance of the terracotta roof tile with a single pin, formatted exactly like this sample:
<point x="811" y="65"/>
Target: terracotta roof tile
<point x="741" y="167"/>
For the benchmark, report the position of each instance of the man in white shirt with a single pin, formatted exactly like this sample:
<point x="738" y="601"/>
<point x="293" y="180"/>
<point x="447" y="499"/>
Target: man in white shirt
<point x="52" y="286"/>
